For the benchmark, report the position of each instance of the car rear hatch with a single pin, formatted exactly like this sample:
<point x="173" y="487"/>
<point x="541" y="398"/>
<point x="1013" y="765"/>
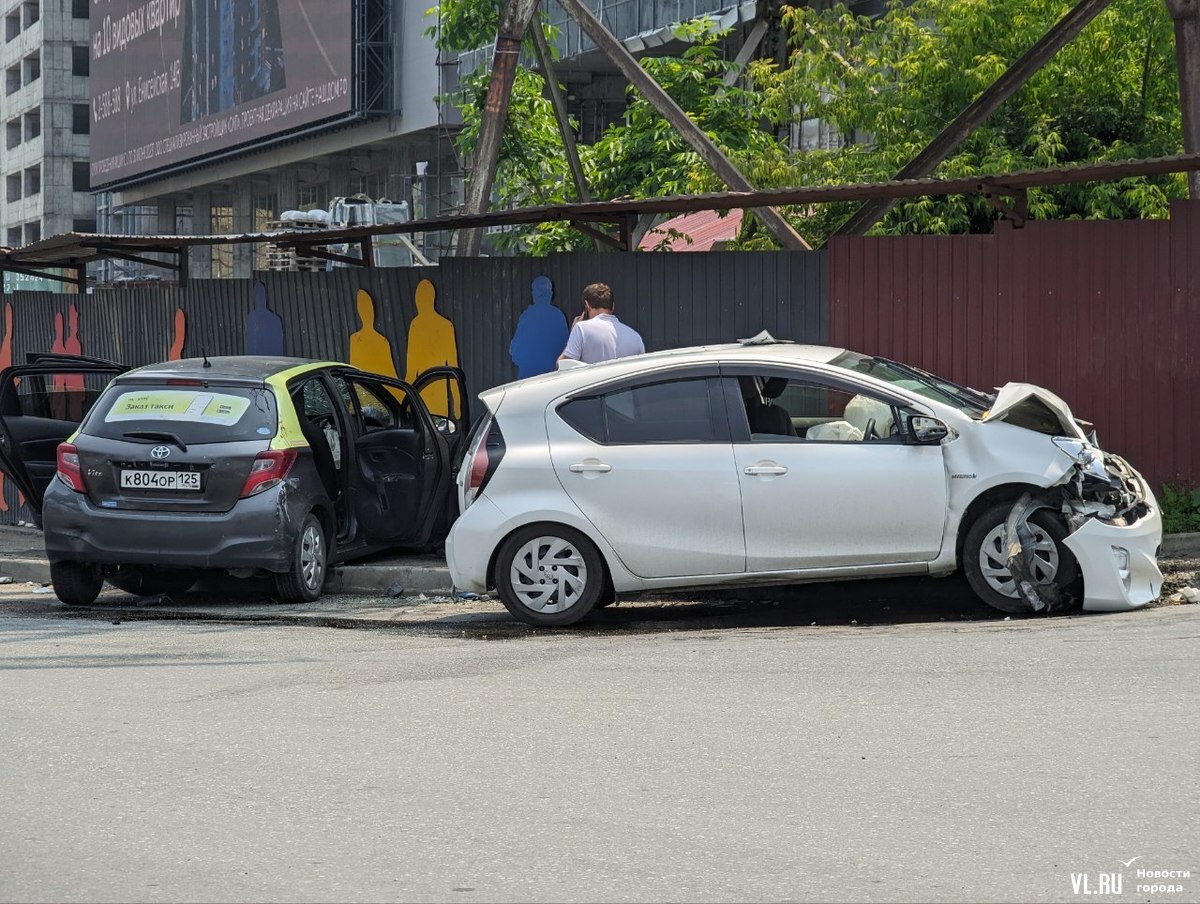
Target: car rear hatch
<point x="175" y="445"/>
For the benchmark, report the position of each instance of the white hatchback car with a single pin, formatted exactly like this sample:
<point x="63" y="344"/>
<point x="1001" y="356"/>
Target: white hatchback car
<point x="770" y="462"/>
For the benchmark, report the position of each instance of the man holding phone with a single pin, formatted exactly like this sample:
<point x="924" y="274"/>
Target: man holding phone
<point x="596" y="334"/>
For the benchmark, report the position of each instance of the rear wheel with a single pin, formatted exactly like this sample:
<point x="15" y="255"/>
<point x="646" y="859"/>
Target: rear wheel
<point x="549" y="575"/>
<point x="310" y="555"/>
<point x="985" y="561"/>
<point x="153" y="581"/>
<point x="76" y="583"/>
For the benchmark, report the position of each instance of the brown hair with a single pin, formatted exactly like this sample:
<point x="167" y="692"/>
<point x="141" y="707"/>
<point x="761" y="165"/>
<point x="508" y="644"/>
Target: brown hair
<point x="598" y="295"/>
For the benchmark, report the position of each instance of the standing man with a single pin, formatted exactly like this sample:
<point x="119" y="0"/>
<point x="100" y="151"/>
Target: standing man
<point x="596" y="334"/>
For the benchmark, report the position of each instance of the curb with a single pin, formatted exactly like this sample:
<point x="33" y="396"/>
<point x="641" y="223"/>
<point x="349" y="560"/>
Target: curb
<point x="365" y="579"/>
<point x="1181" y="546"/>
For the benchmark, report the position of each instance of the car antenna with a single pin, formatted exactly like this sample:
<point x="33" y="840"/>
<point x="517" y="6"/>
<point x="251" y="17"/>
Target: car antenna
<point x="204" y="355"/>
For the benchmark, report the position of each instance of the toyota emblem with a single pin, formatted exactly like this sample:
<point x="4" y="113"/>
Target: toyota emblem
<point x="160" y="451"/>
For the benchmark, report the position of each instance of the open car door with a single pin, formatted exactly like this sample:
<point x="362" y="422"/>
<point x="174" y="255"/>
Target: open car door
<point x="400" y="472"/>
<point x="444" y="392"/>
<point x="41" y="405"/>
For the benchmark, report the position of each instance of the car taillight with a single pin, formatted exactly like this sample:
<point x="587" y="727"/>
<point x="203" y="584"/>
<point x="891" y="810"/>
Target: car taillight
<point x="69" y="471"/>
<point x="479" y="467"/>
<point x="485" y="455"/>
<point x="268" y="470"/>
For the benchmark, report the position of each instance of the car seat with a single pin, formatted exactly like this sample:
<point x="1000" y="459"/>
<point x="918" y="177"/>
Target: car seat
<point x="765" y="416"/>
<point x="322" y="454"/>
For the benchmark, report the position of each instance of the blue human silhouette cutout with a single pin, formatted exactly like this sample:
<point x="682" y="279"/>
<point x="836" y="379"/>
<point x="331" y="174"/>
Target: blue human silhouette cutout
<point x="264" y="328"/>
<point x="541" y="333"/>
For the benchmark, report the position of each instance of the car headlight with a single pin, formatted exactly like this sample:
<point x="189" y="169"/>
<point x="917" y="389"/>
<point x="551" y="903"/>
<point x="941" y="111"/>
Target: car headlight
<point x="1083" y="454"/>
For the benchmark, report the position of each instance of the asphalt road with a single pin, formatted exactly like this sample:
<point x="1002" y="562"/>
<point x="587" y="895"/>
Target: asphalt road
<point x="975" y="761"/>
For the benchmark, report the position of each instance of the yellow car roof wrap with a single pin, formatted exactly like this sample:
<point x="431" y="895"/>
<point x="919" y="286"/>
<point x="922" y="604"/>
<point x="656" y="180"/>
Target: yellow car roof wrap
<point x="289" y="435"/>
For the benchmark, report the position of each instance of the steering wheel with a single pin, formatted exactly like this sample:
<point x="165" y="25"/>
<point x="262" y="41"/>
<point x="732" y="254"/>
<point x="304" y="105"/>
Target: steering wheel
<point x="869" y="431"/>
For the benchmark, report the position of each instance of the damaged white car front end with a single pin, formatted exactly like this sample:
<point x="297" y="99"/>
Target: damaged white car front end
<point x="1113" y="521"/>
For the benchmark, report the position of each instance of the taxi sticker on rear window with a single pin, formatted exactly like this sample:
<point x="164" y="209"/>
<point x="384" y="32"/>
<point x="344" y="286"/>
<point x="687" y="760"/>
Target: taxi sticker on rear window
<point x="193" y="405"/>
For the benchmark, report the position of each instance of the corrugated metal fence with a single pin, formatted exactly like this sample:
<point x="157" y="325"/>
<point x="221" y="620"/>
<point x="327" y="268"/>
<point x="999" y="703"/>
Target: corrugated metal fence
<point x="477" y="306"/>
<point x="1106" y="314"/>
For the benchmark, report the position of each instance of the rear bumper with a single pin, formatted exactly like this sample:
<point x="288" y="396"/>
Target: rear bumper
<point x="256" y="533"/>
<point x="471" y="541"/>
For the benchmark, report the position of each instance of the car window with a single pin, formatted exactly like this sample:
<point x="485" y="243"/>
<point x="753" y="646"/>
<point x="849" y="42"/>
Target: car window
<point x="375" y="412"/>
<point x="673" y="411"/>
<point x="63" y="396"/>
<point x="193" y="414"/>
<point x="783" y="409"/>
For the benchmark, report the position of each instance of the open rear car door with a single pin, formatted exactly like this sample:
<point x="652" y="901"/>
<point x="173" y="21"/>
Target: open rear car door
<point x="41" y="405"/>
<point x="400" y="472"/>
<point x="444" y="392"/>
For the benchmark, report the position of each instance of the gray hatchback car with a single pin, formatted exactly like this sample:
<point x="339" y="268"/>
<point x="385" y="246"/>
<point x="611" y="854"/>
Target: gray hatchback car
<point x="149" y="477"/>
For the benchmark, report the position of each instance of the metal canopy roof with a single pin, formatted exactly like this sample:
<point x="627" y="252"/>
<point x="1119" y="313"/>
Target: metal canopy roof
<point x="74" y="250"/>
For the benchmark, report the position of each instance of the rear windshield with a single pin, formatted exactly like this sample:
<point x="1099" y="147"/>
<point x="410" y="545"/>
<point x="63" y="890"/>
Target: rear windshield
<point x="189" y="414"/>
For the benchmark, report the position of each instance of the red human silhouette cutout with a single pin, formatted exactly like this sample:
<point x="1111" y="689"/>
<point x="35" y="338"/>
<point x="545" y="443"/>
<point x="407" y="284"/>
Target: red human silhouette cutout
<point x="176" y="351"/>
<point x="67" y="389"/>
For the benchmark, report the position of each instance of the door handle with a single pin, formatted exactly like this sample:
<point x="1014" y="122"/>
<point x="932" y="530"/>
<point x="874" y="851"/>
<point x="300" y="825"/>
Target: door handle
<point x="584" y="467"/>
<point x="767" y="470"/>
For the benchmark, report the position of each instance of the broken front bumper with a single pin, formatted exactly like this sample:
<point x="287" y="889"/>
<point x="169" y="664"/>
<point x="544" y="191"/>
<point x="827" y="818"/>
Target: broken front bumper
<point x="1118" y="556"/>
<point x="1119" y="562"/>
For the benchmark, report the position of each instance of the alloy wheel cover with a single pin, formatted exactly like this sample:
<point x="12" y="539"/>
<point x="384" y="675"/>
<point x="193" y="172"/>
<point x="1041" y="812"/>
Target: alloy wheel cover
<point x="548" y="574"/>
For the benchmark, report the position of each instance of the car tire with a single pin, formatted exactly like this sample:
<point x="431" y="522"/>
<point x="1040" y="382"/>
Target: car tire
<point x="76" y="583"/>
<point x="153" y="581"/>
<point x="302" y="583"/>
<point x="549" y="575"/>
<point x="988" y="574"/>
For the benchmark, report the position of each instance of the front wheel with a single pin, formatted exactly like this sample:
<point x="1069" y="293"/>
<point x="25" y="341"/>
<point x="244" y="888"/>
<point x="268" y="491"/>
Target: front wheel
<point x="549" y="575"/>
<point x="985" y="561"/>
<point x="76" y="583"/>
<point x="303" y="582"/>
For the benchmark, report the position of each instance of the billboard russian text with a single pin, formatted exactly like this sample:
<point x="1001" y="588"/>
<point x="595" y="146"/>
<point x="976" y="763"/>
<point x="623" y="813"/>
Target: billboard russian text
<point x="174" y="80"/>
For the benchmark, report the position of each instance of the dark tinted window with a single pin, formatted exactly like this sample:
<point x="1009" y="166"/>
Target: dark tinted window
<point x="586" y="416"/>
<point x="673" y="412"/>
<point x="63" y="396"/>
<point x="195" y="414"/>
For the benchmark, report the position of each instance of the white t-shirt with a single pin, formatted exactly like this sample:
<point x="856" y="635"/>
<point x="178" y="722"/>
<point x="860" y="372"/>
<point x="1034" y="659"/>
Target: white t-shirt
<point x="602" y="338"/>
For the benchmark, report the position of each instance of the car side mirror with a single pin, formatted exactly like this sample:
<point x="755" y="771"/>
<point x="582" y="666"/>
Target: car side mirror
<point x="444" y="425"/>
<point x="927" y="431"/>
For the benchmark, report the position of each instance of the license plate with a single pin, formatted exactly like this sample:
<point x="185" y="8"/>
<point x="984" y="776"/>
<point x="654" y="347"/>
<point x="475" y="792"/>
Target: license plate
<point x="145" y="479"/>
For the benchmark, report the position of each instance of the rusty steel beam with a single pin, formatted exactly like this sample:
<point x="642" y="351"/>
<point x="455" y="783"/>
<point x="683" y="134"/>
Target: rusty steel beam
<point x="673" y="114"/>
<point x="559" y="103"/>
<point x="1186" y="14"/>
<point x="515" y="17"/>
<point x="979" y="110"/>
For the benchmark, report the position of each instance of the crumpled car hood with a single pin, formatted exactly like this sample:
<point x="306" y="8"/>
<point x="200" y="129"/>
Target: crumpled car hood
<point x="1035" y="408"/>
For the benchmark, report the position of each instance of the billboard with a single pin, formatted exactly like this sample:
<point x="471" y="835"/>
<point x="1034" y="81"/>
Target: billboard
<point x="175" y="80"/>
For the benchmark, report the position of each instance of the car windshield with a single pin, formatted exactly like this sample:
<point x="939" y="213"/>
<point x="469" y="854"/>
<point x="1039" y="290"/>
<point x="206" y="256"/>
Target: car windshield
<point x="965" y="399"/>
<point x="184" y="413"/>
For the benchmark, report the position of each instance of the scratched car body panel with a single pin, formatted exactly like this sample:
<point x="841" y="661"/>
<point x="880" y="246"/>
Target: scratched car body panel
<point x="149" y="477"/>
<point x="771" y="462"/>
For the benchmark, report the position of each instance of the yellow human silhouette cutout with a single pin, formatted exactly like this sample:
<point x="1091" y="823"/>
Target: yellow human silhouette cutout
<point x="369" y="348"/>
<point x="431" y="343"/>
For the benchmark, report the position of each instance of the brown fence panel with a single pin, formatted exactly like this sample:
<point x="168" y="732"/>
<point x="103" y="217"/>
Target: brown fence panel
<point x="1106" y="314"/>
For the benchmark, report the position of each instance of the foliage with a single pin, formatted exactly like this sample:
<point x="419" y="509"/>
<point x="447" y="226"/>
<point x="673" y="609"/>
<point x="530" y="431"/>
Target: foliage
<point x="891" y="84"/>
<point x="895" y="82"/>
<point x="1180" y="509"/>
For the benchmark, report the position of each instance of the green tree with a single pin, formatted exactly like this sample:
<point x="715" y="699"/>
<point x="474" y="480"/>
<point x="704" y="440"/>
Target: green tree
<point x="642" y="156"/>
<point x="893" y="83"/>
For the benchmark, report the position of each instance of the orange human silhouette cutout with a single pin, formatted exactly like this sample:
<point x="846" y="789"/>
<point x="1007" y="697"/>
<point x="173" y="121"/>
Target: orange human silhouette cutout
<point x="177" y="339"/>
<point x="369" y="348"/>
<point x="6" y="361"/>
<point x="431" y="343"/>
